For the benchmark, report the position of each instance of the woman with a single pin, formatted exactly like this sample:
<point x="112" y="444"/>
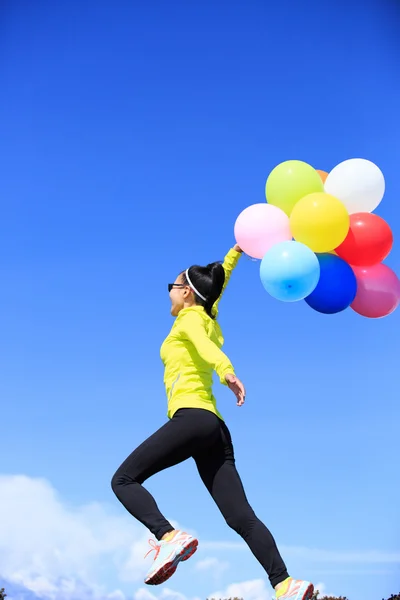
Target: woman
<point x="196" y="429"/>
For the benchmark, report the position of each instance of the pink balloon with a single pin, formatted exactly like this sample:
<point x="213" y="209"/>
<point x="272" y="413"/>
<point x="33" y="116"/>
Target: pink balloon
<point x="261" y="226"/>
<point x="378" y="291"/>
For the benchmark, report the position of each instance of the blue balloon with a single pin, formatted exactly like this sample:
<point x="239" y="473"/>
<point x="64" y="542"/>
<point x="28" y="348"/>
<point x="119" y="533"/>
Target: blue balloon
<point x="289" y="271"/>
<point x="337" y="286"/>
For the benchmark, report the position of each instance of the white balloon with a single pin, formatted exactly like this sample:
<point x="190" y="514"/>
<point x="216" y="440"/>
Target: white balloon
<point x="358" y="183"/>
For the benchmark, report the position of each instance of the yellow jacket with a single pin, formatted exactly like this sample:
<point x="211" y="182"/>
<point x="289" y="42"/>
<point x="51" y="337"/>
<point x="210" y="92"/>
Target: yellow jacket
<point x="192" y="351"/>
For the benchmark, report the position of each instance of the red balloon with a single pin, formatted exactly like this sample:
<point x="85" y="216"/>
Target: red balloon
<point x="368" y="242"/>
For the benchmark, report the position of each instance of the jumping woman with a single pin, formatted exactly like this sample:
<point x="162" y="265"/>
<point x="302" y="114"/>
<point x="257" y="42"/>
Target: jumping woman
<point x="195" y="429"/>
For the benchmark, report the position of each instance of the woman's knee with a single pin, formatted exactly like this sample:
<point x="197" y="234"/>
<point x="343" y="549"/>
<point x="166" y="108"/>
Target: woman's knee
<point x="119" y="479"/>
<point x="123" y="477"/>
<point x="115" y="482"/>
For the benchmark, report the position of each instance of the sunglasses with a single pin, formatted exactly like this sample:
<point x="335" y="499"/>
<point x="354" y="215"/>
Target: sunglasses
<point x="172" y="285"/>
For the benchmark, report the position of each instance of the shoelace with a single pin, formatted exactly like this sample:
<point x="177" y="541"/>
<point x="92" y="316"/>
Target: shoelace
<point x="154" y="548"/>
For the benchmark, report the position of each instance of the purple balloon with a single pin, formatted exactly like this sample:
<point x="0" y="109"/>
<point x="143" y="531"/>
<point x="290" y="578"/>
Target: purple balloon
<point x="378" y="291"/>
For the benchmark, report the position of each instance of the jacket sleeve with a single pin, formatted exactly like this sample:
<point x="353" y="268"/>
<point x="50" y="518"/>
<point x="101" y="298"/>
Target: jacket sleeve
<point x="230" y="262"/>
<point x="192" y="328"/>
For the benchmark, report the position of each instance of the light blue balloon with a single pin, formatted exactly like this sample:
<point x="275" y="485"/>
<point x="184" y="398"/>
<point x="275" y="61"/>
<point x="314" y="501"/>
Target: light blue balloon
<point x="290" y="271"/>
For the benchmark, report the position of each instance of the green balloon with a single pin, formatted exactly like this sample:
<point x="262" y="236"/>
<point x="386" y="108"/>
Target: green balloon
<point x="289" y="182"/>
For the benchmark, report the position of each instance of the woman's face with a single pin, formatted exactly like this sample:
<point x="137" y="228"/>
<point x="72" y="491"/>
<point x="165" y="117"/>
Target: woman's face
<point x="178" y="294"/>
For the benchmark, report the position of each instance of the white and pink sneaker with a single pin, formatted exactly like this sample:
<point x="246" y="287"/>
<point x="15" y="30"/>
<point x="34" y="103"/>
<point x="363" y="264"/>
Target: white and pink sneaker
<point x="177" y="547"/>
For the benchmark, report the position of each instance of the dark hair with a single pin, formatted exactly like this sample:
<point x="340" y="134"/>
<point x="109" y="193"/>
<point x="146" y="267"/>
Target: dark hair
<point x="208" y="281"/>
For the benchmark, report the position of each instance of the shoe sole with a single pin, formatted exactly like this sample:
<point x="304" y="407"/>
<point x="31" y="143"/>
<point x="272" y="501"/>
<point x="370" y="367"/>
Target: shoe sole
<point x="167" y="570"/>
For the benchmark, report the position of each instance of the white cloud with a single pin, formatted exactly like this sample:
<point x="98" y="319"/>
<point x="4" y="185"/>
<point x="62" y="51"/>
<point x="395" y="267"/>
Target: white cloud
<point x="332" y="556"/>
<point x="166" y="594"/>
<point x="256" y="589"/>
<point x="51" y="548"/>
<point x="144" y="594"/>
<point x="315" y="554"/>
<point x="215" y="566"/>
<point x="117" y="595"/>
<point x="62" y="552"/>
<point x="224" y="546"/>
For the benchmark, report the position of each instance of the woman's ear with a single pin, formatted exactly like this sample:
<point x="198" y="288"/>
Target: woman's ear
<point x="186" y="292"/>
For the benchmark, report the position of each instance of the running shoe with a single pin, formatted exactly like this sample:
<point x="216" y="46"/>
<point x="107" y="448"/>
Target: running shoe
<point x="177" y="547"/>
<point x="295" y="589"/>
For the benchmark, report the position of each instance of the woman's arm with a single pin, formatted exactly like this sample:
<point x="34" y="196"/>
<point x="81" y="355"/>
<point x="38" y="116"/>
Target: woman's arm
<point x="230" y="262"/>
<point x="192" y="328"/>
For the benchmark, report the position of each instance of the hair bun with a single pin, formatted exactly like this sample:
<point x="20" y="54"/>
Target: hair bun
<point x="207" y="281"/>
<point x="217" y="273"/>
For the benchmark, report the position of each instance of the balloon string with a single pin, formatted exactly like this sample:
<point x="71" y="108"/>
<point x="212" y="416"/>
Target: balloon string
<point x="251" y="258"/>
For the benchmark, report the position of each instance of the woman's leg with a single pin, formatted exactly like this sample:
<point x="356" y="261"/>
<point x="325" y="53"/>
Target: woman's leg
<point x="216" y="466"/>
<point x="188" y="431"/>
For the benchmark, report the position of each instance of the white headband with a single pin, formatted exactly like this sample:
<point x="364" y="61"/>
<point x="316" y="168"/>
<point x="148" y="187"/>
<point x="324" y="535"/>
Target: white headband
<point x="192" y="286"/>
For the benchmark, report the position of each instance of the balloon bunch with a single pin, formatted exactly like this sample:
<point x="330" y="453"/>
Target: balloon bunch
<point x="319" y="241"/>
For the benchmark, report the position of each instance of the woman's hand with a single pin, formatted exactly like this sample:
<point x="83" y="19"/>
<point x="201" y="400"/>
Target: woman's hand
<point x="237" y="248"/>
<point x="237" y="388"/>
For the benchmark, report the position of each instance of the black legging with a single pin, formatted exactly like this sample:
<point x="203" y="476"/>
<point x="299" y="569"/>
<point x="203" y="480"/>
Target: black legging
<point x="200" y="434"/>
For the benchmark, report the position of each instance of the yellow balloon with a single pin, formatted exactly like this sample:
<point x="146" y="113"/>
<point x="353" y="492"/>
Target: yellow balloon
<point x="320" y="221"/>
<point x="290" y="181"/>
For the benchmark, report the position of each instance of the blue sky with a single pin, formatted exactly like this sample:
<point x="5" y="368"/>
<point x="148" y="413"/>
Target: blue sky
<point x="132" y="136"/>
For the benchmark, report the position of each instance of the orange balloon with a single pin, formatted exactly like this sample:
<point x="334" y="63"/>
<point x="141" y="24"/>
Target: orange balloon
<point x="322" y="174"/>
